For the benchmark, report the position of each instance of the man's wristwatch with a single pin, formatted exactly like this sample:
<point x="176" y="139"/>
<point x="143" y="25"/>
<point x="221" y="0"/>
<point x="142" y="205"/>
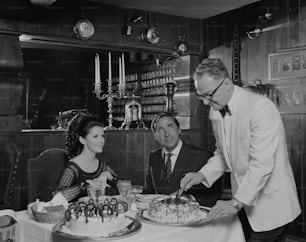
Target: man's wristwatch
<point x="236" y="204"/>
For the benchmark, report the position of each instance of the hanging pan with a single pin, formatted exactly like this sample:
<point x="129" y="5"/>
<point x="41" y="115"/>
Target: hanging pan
<point x="150" y="35"/>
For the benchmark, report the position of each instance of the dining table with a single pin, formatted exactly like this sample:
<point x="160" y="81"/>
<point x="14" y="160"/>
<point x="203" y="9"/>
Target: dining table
<point x="224" y="229"/>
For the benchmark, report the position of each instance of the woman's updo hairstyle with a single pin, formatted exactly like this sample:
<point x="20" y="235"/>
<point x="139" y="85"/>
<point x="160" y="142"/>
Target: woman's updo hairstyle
<point x="79" y="125"/>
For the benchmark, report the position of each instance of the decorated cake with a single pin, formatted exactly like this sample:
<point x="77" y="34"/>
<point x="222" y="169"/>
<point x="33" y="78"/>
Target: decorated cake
<point x="174" y="211"/>
<point x="96" y="220"/>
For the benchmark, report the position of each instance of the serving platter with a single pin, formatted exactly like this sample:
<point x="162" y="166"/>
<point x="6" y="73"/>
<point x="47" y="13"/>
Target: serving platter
<point x="132" y="227"/>
<point x="148" y="197"/>
<point x="87" y="198"/>
<point x="144" y="216"/>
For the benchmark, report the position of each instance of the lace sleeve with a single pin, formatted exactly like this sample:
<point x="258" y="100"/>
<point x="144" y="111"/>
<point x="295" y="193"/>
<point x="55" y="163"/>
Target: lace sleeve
<point x="65" y="185"/>
<point x="108" y="168"/>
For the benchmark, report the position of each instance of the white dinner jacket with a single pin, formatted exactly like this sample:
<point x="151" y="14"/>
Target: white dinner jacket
<point x="261" y="174"/>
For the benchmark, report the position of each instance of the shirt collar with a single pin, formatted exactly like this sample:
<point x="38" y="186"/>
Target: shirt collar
<point x="175" y="151"/>
<point x="233" y="100"/>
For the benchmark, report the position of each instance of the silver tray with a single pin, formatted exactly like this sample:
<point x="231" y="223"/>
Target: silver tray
<point x="146" y="218"/>
<point x="133" y="227"/>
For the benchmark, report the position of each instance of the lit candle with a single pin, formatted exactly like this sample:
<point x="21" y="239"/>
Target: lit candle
<point x="96" y="66"/>
<point x="109" y="66"/>
<point x="99" y="76"/>
<point x="97" y="71"/>
<point x="120" y="73"/>
<point x="123" y="69"/>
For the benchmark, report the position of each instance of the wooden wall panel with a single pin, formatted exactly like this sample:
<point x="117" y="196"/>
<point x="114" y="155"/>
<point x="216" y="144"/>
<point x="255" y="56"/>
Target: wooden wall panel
<point x="109" y="22"/>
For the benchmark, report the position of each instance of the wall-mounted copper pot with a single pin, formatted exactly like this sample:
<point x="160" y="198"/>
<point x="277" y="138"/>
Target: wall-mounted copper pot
<point x="150" y="35"/>
<point x="84" y="29"/>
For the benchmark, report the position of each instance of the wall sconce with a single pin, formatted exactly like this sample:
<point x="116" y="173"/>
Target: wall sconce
<point x="181" y="47"/>
<point x="261" y="23"/>
<point x="254" y="34"/>
<point x="128" y="28"/>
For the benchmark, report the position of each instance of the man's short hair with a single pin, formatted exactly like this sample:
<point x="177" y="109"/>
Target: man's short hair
<point x="211" y="67"/>
<point x="162" y="115"/>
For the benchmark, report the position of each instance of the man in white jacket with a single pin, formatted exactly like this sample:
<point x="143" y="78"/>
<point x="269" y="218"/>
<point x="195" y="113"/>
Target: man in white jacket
<point x="251" y="145"/>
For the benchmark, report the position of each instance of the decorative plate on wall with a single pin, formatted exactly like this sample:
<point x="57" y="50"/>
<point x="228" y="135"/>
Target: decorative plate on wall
<point x="150" y="35"/>
<point x="84" y="29"/>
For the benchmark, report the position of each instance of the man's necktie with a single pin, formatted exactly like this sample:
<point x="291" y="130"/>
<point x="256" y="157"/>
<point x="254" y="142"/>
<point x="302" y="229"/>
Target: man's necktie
<point x="225" y="110"/>
<point x="168" y="167"/>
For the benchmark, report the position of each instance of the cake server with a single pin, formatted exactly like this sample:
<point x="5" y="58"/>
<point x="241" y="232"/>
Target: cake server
<point x="179" y="193"/>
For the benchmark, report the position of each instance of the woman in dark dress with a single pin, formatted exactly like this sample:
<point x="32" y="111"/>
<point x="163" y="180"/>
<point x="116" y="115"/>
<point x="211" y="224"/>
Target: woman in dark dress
<point x="84" y="140"/>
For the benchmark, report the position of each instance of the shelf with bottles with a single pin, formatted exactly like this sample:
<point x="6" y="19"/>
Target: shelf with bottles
<point x="131" y="84"/>
<point x="118" y="118"/>
<point x="153" y="81"/>
<point x="153" y="109"/>
<point x="150" y="83"/>
<point x="153" y="100"/>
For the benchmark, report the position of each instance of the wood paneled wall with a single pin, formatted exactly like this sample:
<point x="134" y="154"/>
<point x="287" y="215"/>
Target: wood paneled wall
<point x="109" y="22"/>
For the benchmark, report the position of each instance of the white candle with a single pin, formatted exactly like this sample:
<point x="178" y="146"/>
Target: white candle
<point x="123" y="69"/>
<point x="109" y="66"/>
<point x="120" y="73"/>
<point x="97" y="71"/>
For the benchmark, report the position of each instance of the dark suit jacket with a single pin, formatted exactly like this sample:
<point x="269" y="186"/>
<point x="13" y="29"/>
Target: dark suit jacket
<point x="190" y="159"/>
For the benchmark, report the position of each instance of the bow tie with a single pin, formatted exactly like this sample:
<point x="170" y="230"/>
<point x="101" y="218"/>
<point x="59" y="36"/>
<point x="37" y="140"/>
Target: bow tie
<point x="225" y="110"/>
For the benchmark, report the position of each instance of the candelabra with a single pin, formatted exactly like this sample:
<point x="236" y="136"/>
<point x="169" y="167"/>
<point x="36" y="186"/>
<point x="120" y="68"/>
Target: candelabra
<point x="109" y="98"/>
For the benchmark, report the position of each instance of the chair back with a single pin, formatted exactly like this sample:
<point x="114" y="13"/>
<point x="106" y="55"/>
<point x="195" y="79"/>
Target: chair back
<point x="10" y="177"/>
<point x="44" y="172"/>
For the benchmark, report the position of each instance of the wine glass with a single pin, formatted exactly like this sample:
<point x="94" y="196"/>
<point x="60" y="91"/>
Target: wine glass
<point x="95" y="192"/>
<point x="135" y="189"/>
<point x="124" y="188"/>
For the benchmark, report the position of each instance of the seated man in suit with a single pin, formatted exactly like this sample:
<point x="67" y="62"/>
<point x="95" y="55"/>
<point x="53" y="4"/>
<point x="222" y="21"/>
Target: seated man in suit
<point x="165" y="171"/>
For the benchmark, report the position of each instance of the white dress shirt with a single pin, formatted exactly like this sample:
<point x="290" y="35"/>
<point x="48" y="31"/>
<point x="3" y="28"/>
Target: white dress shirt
<point x="175" y="152"/>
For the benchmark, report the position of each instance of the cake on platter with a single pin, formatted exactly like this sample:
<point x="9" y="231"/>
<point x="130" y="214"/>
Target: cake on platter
<point x="93" y="220"/>
<point x="170" y="210"/>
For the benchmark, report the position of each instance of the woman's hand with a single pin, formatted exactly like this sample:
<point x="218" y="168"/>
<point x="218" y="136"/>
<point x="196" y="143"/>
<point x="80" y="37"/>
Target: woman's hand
<point x="222" y="208"/>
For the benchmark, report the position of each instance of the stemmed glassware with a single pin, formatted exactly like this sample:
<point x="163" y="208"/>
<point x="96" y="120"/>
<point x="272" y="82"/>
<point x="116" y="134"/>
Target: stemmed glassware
<point x="135" y="189"/>
<point x="95" y="192"/>
<point x="124" y="188"/>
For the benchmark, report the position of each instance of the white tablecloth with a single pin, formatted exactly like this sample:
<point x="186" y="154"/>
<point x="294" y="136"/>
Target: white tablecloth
<point x="227" y="229"/>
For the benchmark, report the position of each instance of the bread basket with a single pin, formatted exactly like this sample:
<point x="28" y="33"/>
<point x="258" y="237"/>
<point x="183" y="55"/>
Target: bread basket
<point x="8" y="233"/>
<point x="50" y="216"/>
<point x="7" y="225"/>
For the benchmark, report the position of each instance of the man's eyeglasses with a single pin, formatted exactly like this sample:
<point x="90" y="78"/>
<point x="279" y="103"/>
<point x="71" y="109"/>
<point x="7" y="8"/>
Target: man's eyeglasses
<point x="209" y="96"/>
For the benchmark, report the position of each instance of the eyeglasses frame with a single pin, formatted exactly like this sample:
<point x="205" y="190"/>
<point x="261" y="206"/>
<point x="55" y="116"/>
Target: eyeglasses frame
<point x="210" y="96"/>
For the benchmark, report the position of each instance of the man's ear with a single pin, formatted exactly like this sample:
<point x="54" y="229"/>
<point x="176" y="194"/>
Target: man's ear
<point x="228" y="83"/>
<point x="155" y="136"/>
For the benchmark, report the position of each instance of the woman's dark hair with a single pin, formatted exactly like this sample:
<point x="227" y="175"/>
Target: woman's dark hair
<point x="79" y="126"/>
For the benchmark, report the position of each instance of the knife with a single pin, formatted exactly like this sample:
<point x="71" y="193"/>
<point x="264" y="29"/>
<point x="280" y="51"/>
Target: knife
<point x="179" y="193"/>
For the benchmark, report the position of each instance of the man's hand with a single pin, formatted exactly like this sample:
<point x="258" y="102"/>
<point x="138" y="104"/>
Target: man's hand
<point x="222" y="208"/>
<point x="190" y="179"/>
